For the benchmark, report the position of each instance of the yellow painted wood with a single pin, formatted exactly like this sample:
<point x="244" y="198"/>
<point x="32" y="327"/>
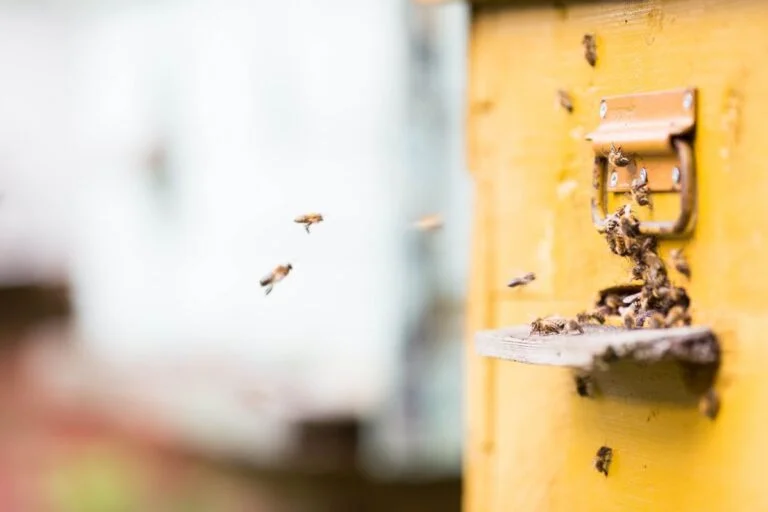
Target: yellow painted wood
<point x="530" y="439"/>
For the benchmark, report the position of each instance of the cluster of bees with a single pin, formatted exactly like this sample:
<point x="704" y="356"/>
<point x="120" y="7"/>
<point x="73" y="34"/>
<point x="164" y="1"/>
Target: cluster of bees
<point x="658" y="304"/>
<point x="280" y="272"/>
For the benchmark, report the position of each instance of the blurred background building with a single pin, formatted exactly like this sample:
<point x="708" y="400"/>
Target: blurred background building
<point x="152" y="158"/>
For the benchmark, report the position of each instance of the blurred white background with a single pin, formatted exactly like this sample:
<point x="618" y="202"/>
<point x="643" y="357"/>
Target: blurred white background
<point x="156" y="153"/>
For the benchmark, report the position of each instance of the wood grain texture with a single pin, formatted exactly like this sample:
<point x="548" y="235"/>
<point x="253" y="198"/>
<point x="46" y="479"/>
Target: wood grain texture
<point x="531" y="440"/>
<point x="693" y="345"/>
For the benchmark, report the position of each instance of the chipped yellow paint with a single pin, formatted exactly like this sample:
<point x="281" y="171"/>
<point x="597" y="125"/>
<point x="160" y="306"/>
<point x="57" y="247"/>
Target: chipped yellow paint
<point x="530" y="439"/>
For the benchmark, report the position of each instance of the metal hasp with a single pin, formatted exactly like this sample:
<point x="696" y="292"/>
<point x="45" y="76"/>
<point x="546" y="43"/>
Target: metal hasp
<point x="655" y="132"/>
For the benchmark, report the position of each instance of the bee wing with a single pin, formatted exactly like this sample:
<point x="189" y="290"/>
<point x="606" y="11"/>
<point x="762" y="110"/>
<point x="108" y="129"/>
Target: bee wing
<point x="629" y="299"/>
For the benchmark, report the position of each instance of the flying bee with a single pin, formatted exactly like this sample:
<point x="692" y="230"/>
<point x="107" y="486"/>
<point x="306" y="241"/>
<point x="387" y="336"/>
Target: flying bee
<point x="308" y="219"/>
<point x="590" y="48"/>
<point x="546" y="326"/>
<point x="709" y="404"/>
<point x="640" y="192"/>
<point x="678" y="260"/>
<point x="678" y="316"/>
<point x="565" y="100"/>
<point x="274" y="277"/>
<point x="522" y="280"/>
<point x="617" y="158"/>
<point x="603" y="459"/>
<point x="429" y="223"/>
<point x="572" y="326"/>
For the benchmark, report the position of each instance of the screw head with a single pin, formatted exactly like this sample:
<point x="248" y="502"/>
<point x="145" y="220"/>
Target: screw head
<point x="688" y="100"/>
<point x="643" y="175"/>
<point x="603" y="108"/>
<point x="676" y="175"/>
<point x="614" y="178"/>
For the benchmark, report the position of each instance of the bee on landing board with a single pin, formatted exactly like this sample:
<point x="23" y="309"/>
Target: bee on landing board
<point x="612" y="303"/>
<point x="308" y="219"/>
<point x="591" y="317"/>
<point x="274" y="277"/>
<point x="652" y="320"/>
<point x="545" y="326"/>
<point x="629" y="318"/>
<point x="678" y="316"/>
<point x="572" y="326"/>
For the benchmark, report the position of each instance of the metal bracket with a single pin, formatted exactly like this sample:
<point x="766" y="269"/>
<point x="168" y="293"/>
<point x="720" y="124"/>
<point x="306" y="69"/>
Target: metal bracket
<point x="655" y="132"/>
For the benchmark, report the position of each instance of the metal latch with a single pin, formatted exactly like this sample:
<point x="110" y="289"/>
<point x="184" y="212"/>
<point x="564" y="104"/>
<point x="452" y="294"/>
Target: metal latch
<point x="652" y="136"/>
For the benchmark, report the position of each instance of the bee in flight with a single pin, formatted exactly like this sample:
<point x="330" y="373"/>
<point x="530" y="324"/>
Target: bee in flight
<point x="308" y="219"/>
<point x="274" y="277"/>
<point x="522" y="280"/>
<point x="590" y="49"/>
<point x="429" y="223"/>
